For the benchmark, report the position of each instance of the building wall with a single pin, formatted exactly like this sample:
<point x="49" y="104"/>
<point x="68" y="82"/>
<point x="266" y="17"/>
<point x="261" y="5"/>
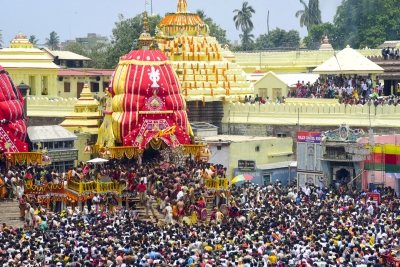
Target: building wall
<point x="44" y="121"/>
<point x="279" y="174"/>
<point x="270" y="151"/>
<point x="73" y="81"/>
<point x="289" y="61"/>
<point x="271" y="86"/>
<point x="220" y="156"/>
<point x="37" y="79"/>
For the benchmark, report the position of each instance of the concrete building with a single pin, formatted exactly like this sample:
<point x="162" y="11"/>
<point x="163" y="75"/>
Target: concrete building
<point x="91" y="39"/>
<point x="228" y="150"/>
<point x="32" y="65"/>
<point x="265" y="174"/>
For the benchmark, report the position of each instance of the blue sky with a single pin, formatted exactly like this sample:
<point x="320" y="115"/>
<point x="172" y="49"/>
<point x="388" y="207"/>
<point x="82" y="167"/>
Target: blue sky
<point x="76" y="18"/>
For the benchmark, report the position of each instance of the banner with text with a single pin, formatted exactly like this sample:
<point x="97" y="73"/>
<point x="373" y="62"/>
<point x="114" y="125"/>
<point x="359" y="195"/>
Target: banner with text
<point x="309" y="137"/>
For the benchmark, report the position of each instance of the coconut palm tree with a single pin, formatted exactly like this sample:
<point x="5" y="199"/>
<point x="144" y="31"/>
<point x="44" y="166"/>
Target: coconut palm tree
<point x="53" y="41"/>
<point x="201" y="14"/>
<point x="243" y="16"/>
<point x="246" y="38"/>
<point x="310" y="15"/>
<point x="33" y="40"/>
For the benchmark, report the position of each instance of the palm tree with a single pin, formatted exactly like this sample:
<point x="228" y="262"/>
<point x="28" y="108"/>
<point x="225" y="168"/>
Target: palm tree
<point x="311" y="15"/>
<point x="243" y="16"/>
<point x="33" y="40"/>
<point x="201" y="14"/>
<point x="53" y="41"/>
<point x="246" y="38"/>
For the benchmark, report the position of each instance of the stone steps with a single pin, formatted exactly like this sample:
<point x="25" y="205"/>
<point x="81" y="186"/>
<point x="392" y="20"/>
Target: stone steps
<point x="9" y="214"/>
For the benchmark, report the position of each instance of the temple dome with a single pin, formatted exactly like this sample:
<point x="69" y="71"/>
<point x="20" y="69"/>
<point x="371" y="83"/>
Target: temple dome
<point x="182" y="23"/>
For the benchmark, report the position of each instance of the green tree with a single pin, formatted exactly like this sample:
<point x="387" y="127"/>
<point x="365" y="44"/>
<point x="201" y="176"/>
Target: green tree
<point x="317" y="34"/>
<point x="367" y="23"/>
<point x="278" y="38"/>
<point x="201" y="14"/>
<point x="53" y="41"/>
<point x="33" y="40"/>
<point x="310" y="15"/>
<point x="1" y="38"/>
<point x="247" y="39"/>
<point x="243" y="17"/>
<point x="76" y="48"/>
<point x="98" y="54"/>
<point x="125" y="32"/>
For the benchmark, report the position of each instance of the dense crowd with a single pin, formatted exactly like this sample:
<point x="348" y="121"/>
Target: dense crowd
<point x="349" y="91"/>
<point x="250" y="225"/>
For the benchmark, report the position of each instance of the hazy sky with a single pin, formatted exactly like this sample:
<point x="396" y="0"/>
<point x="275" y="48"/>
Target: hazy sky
<point x="76" y="18"/>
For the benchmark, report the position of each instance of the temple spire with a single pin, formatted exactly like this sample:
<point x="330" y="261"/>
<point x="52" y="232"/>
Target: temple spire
<point x="145" y="38"/>
<point x="182" y="6"/>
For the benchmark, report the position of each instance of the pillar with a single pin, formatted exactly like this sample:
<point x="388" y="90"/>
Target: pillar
<point x="373" y="79"/>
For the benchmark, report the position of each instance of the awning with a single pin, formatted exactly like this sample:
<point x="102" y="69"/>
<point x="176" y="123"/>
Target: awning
<point x="51" y="133"/>
<point x="277" y="165"/>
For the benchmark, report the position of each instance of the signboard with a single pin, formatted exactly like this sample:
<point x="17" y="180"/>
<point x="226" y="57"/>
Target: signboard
<point x="375" y="197"/>
<point x="309" y="137"/>
<point x="63" y="155"/>
<point x="247" y="164"/>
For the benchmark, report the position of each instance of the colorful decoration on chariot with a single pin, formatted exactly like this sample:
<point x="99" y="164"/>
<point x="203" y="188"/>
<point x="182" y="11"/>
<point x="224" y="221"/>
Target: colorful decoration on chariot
<point x="88" y="150"/>
<point x="12" y="118"/>
<point x="146" y="102"/>
<point x="182" y="23"/>
<point x="46" y="159"/>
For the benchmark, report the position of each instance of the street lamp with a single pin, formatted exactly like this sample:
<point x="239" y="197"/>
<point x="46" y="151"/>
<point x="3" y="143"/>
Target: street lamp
<point x="23" y="88"/>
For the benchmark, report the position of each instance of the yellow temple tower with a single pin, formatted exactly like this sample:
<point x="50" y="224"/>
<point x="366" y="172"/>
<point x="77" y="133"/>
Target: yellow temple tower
<point x="206" y="69"/>
<point x="84" y="122"/>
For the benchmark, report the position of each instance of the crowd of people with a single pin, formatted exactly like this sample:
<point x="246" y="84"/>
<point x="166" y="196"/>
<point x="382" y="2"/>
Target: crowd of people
<point x="349" y="91"/>
<point x="249" y="225"/>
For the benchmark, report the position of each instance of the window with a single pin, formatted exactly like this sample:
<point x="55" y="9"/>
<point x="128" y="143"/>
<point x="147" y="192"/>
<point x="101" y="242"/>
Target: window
<point x="67" y="87"/>
<point x="95" y="87"/>
<point x="281" y="135"/>
<point x="257" y="148"/>
<point x="219" y="147"/>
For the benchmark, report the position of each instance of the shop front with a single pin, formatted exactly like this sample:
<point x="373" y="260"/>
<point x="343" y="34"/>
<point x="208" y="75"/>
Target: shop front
<point x="57" y="144"/>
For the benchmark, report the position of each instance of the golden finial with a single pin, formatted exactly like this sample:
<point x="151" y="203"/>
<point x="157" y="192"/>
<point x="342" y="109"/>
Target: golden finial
<point x="182" y="5"/>
<point x="145" y="39"/>
<point x="145" y="22"/>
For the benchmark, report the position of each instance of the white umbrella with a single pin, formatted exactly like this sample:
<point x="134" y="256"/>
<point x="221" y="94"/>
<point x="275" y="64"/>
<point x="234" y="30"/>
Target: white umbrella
<point x="97" y="160"/>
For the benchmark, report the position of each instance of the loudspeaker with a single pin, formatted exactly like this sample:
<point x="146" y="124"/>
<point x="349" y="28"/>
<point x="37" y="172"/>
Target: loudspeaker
<point x="60" y="78"/>
<point x="97" y="78"/>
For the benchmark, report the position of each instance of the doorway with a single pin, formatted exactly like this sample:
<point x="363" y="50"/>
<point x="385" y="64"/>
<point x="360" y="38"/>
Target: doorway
<point x="266" y="178"/>
<point x="79" y="88"/>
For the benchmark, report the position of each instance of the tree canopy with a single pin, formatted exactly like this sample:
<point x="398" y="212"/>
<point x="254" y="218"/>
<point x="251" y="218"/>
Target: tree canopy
<point x="310" y="15"/>
<point x="360" y="24"/>
<point x="278" y="38"/>
<point x="243" y="17"/>
<point x="53" y="41"/>
<point x="125" y="32"/>
<point x="33" y="40"/>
